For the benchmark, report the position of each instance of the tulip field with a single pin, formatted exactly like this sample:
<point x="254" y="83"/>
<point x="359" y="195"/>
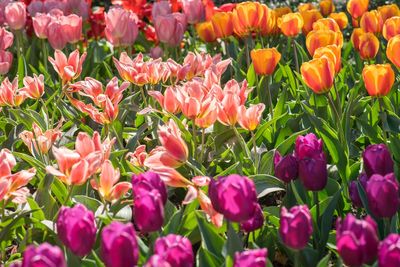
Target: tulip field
<point x="180" y="133"/>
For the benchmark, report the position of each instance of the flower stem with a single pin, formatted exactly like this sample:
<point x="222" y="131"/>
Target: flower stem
<point x="194" y="168"/>
<point x="270" y="104"/>
<point x="194" y="137"/>
<point x="45" y="54"/>
<point x="242" y="142"/>
<point x="316" y="202"/>
<point x="203" y="138"/>
<point x="383" y="118"/>
<point x="296" y="58"/>
<point x="143" y="96"/>
<point x="256" y="159"/>
<point x="297" y="258"/>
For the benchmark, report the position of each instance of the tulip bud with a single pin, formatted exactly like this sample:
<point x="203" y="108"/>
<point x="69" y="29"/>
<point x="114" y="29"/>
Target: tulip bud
<point x="353" y="190"/>
<point x="307" y="146"/>
<point x="377" y="160"/>
<point x="388" y="11"/>
<point x="286" y="168"/>
<point x="393" y="50"/>
<point x="355" y="38"/>
<point x="291" y="24"/>
<point x="378" y="79"/>
<point x="121" y="27"/>
<point x="357" y="8"/>
<point x="333" y="52"/>
<point x="389" y="251"/>
<point x="383" y="195"/>
<point x="371" y="22"/>
<point x="40" y="23"/>
<point x="326" y="7"/>
<point x="356" y="240"/>
<point x="160" y="8"/>
<point x="43" y="255"/>
<point x="146" y="182"/>
<point x="156" y="52"/>
<point x="234" y="196"/>
<point x="148" y="211"/>
<point x="194" y="11"/>
<point x="391" y="28"/>
<point x="309" y="17"/>
<point x="119" y="246"/>
<point x="251" y="258"/>
<point x="157" y="261"/>
<point x="76" y="228"/>
<point x="341" y="19"/>
<point x="255" y="222"/>
<point x="326" y="24"/>
<point x="16" y="15"/>
<point x="296" y="226"/>
<point x="320" y="38"/>
<point x="222" y="24"/>
<point x="265" y="60"/>
<point x="318" y="74"/>
<point x="170" y="28"/>
<point x="206" y="32"/>
<point x="6" y="59"/>
<point x="6" y="39"/>
<point x="175" y="249"/>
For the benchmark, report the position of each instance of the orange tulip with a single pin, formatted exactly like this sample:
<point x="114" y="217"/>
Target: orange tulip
<point x="357" y="8"/>
<point x="391" y="28"/>
<point x="309" y="17"/>
<point x="272" y="24"/>
<point x="206" y="32"/>
<point x="291" y="24"/>
<point x="250" y="118"/>
<point x="372" y="22"/>
<point x="326" y="24"/>
<point x="378" y="79"/>
<point x="222" y="24"/>
<point x="318" y="74"/>
<point x="263" y="25"/>
<point x="326" y="7"/>
<point x="355" y="38"/>
<point x="265" y="60"/>
<point x="389" y="11"/>
<point x="333" y="52"/>
<point x="246" y="18"/>
<point x="393" y="50"/>
<point x="320" y="38"/>
<point x="368" y="46"/>
<point x="280" y="11"/>
<point x="305" y="7"/>
<point x="341" y="19"/>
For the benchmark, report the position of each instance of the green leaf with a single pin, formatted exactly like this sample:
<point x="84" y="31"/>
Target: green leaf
<point x="205" y="258"/>
<point x="266" y="184"/>
<point x="90" y="203"/>
<point x="327" y="216"/>
<point x="211" y="240"/>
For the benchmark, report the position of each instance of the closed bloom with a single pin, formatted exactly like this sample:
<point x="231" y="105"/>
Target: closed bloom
<point x="55" y="34"/>
<point x="333" y="52"/>
<point x="368" y="46"/>
<point x="251" y="258"/>
<point x="175" y="249"/>
<point x="67" y="68"/>
<point x="318" y="74"/>
<point x="309" y="17"/>
<point x="356" y="240"/>
<point x="286" y="168"/>
<point x="72" y="28"/>
<point x="377" y="160"/>
<point x="371" y="21"/>
<point x="355" y="38"/>
<point x="247" y="17"/>
<point x="160" y="8"/>
<point x="393" y="50"/>
<point x="170" y="138"/>
<point x="119" y="246"/>
<point x="357" y="8"/>
<point x="391" y="28"/>
<point x="305" y="7"/>
<point x="170" y="28"/>
<point x="43" y="255"/>
<point x="250" y="118"/>
<point x="383" y="195"/>
<point x="388" y="11"/>
<point x="157" y="261"/>
<point x="15" y="14"/>
<point x="222" y="24"/>
<point x="255" y="222"/>
<point x="206" y="32"/>
<point x="326" y="24"/>
<point x="265" y="60"/>
<point x="121" y="27"/>
<point x="389" y="251"/>
<point x="378" y="79"/>
<point x="148" y="181"/>
<point x="148" y="210"/>
<point x="353" y="190"/>
<point x="40" y="23"/>
<point x="326" y="7"/>
<point x="319" y="38"/>
<point x="341" y="19"/>
<point x="6" y="38"/>
<point x="6" y="59"/>
<point x="234" y="196"/>
<point x="33" y="86"/>
<point x="291" y="24"/>
<point x="307" y="146"/>
<point x="194" y="11"/>
<point x="296" y="226"/>
<point x="76" y="228"/>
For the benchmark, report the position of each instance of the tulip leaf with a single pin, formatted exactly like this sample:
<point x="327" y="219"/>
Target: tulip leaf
<point x="327" y="217"/>
<point x="324" y="262"/>
<point x="211" y="240"/>
<point x="90" y="203"/>
<point x="233" y="242"/>
<point x="205" y="258"/>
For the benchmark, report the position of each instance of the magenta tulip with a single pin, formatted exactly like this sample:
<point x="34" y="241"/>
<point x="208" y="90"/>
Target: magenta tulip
<point x="389" y="251"/>
<point x="254" y="222"/>
<point x="43" y="255"/>
<point x="145" y="182"/>
<point x="377" y="160"/>
<point x="286" y="168"/>
<point x="175" y="249"/>
<point x="353" y="190"/>
<point x="251" y="258"/>
<point x="148" y="210"/>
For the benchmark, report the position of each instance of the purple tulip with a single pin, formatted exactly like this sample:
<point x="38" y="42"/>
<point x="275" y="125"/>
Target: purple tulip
<point x="389" y="251"/>
<point x="194" y="10"/>
<point x="313" y="173"/>
<point x="353" y="190"/>
<point x="255" y="222"/>
<point x="160" y="8"/>
<point x="296" y="226"/>
<point x="76" y="228"/>
<point x="308" y="146"/>
<point x="377" y="160"/>
<point x="157" y="261"/>
<point x="43" y="255"/>
<point x="145" y="182"/>
<point x="148" y="211"/>
<point x="175" y="249"/>
<point x="356" y="240"/>
<point x="234" y="196"/>
<point x="251" y="258"/>
<point x="119" y="247"/>
<point x="286" y="168"/>
<point x="383" y="195"/>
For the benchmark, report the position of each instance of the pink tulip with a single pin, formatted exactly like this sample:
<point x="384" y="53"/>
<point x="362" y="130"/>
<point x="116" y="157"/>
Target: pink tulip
<point x="88" y="146"/>
<point x="7" y="162"/>
<point x="72" y="28"/>
<point x="34" y="87"/>
<point x="78" y="7"/>
<point x="6" y="38"/>
<point x="10" y="95"/>
<point x="3" y="5"/>
<point x="121" y="27"/>
<point x="228" y="109"/>
<point x="55" y="34"/>
<point x="68" y="69"/>
<point x="40" y="23"/>
<point x="156" y="52"/>
<point x="170" y="138"/>
<point x="37" y="140"/>
<point x="108" y="186"/>
<point x="138" y="157"/>
<point x="35" y="7"/>
<point x="169" y="101"/>
<point x="159" y="156"/>
<point x="6" y="59"/>
<point x="194" y="11"/>
<point x="160" y="8"/>
<point x="250" y="118"/>
<point x="16" y="15"/>
<point x="171" y="177"/>
<point x="170" y="28"/>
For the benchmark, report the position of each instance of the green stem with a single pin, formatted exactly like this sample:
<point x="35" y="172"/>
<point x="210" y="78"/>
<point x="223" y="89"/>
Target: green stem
<point x="296" y="58"/>
<point x="194" y="137"/>
<point x="271" y="105"/>
<point x="256" y="159"/>
<point x="316" y="202"/>
<point x="297" y="262"/>
<point x="45" y="54"/>
<point x="242" y="142"/>
<point x="387" y="226"/>
<point x="194" y="168"/>
<point x="203" y="138"/>
<point x="120" y="142"/>
<point x="338" y="122"/>
<point x="383" y="118"/>
<point x="143" y="96"/>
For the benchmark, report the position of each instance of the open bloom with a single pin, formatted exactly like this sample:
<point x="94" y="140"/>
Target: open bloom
<point x="174" y="249"/>
<point x="44" y="254"/>
<point x="39" y="141"/>
<point x="319" y="38"/>
<point x="16" y="15"/>
<point x="34" y="86"/>
<point x="318" y="74"/>
<point x="357" y="8"/>
<point x="391" y="28"/>
<point x="171" y="139"/>
<point x="378" y="79"/>
<point x="291" y="24"/>
<point x="265" y="60"/>
<point x="250" y="118"/>
<point x="169" y="101"/>
<point x="372" y="21"/>
<point x="393" y="50"/>
<point x="121" y="27"/>
<point x="251" y="258"/>
<point x="341" y="19"/>
<point x="67" y="68"/>
<point x="10" y="94"/>
<point x="6" y="59"/>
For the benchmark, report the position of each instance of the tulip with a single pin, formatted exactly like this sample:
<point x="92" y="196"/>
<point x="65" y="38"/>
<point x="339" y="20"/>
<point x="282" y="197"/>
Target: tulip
<point x="357" y="8"/>
<point x="368" y="46"/>
<point x="40" y="23"/>
<point x="296" y="226"/>
<point x="234" y="196"/>
<point x="228" y="109"/>
<point x="306" y="6"/>
<point x="55" y="34"/>
<point x="175" y="249"/>
<point x="170" y="28"/>
<point x="251" y="258"/>
<point x="76" y="228"/>
<point x="121" y="27"/>
<point x="10" y="95"/>
<point x="341" y="19"/>
<point x="43" y="255"/>
<point x="356" y="240"/>
<point x="391" y="28"/>
<point x="6" y="39"/>
<point x="157" y="261"/>
<point x="265" y="60"/>
<point x="388" y="11"/>
<point x="194" y="11"/>
<point x="247" y="17"/>
<point x="250" y="118"/>
<point x="72" y="28"/>
<point x="383" y="195"/>
<point x="16" y="15"/>
<point x="326" y="7"/>
<point x="393" y="50"/>
<point x="320" y="38"/>
<point x="254" y="223"/>
<point x="378" y="79"/>
<point x="138" y="157"/>
<point x="146" y="182"/>
<point x="309" y="17"/>
<point x="119" y="246"/>
<point x="160" y="8"/>
<point x="355" y="38"/>
<point x="389" y="251"/>
<point x="97" y="23"/>
<point x="149" y="211"/>
<point x="67" y="68"/>
<point x="78" y="7"/>
<point x="286" y="168"/>
<point x="372" y="22"/>
<point x="326" y="24"/>
<point x="170" y="138"/>
<point x="87" y="146"/>
<point x="377" y="160"/>
<point x="318" y="74"/>
<point x="6" y="59"/>
<point x="37" y="140"/>
<point x="222" y="24"/>
<point x="156" y="52"/>
<point x="206" y="32"/>
<point x="34" y="87"/>
<point x="283" y="10"/>
<point x="353" y="190"/>
<point x="171" y="177"/>
<point x="169" y="101"/>
<point x="333" y="52"/>
<point x="291" y="24"/>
